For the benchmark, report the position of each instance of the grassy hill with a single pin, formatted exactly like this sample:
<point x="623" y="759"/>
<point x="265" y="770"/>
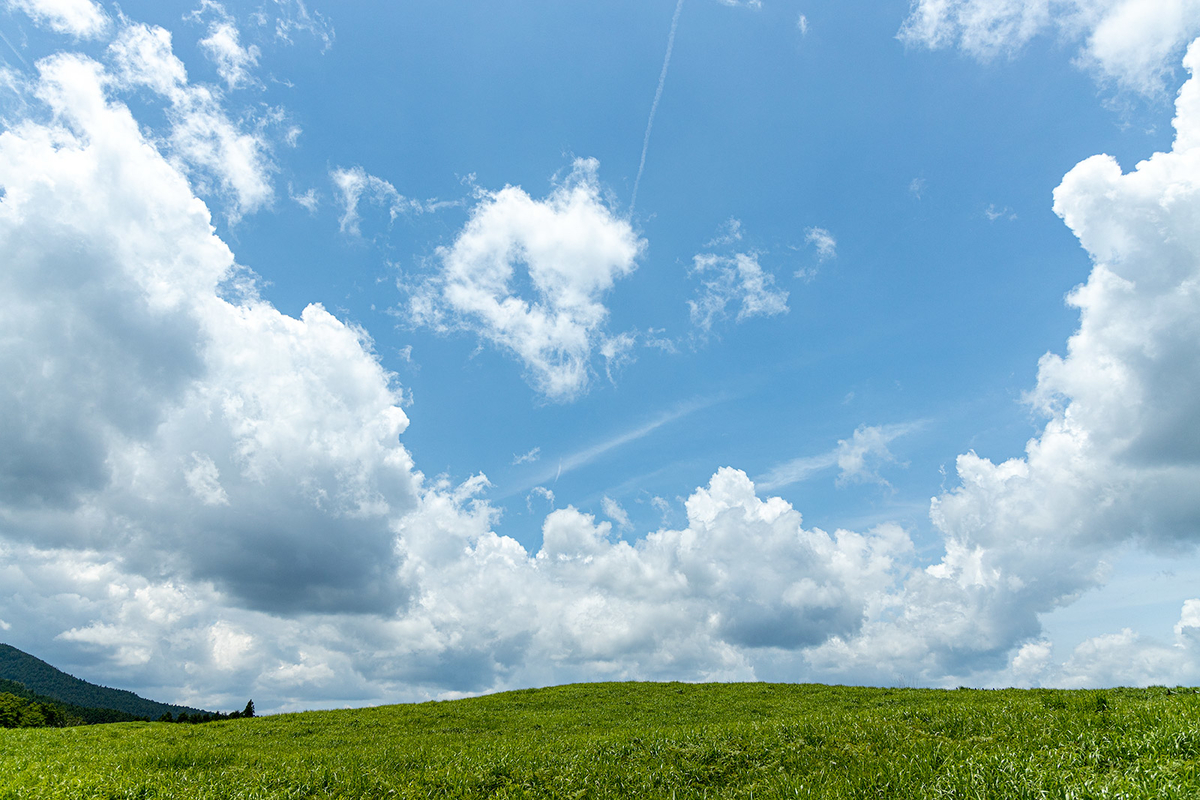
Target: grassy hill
<point x="40" y="678"/>
<point x="647" y="740"/>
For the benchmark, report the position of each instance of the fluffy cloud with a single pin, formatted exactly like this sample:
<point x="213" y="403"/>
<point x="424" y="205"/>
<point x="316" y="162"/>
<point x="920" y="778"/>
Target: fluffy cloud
<point x="198" y="492"/>
<point x="142" y="392"/>
<point x="1132" y="42"/>
<point x="206" y="499"/>
<point x="203" y="137"/>
<point x="83" y="19"/>
<point x="1118" y="459"/>
<point x="570" y="246"/>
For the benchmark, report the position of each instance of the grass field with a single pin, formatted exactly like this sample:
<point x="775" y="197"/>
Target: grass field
<point x="646" y="740"/>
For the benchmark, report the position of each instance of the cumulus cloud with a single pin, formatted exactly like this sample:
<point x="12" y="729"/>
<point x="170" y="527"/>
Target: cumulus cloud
<point x="1117" y="460"/>
<point x="203" y="137"/>
<point x="83" y="19"/>
<point x="570" y="248"/>
<point x="737" y="280"/>
<point x="1132" y="42"/>
<point x="164" y="423"/>
<point x="207" y="499"/>
<point x="220" y="490"/>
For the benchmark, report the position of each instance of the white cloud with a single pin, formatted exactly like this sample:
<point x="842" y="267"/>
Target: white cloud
<point x="202" y="136"/>
<point x="590" y="453"/>
<point x="656" y="338"/>
<point x="729" y="233"/>
<point x="754" y="4"/>
<point x="204" y="479"/>
<point x="617" y="351"/>
<point x="570" y="246"/>
<point x="1127" y="658"/>
<point x="308" y="199"/>
<point x="233" y="61"/>
<point x="733" y="280"/>
<point x="223" y="45"/>
<point x="1117" y="461"/>
<point x="614" y="511"/>
<point x="1188" y="627"/>
<point x="539" y="491"/>
<point x="1132" y="42"/>
<point x="528" y="458"/>
<point x="210" y="498"/>
<point x="83" y="19"/>
<point x="858" y="458"/>
<point x="193" y="491"/>
<point x="802" y="25"/>
<point x="823" y="240"/>
<point x="355" y="183"/>
<point x="293" y="16"/>
<point x="170" y="424"/>
<point x="993" y="213"/>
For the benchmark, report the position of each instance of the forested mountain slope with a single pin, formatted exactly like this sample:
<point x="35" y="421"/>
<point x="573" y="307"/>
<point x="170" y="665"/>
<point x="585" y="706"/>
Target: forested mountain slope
<point x="40" y="678"/>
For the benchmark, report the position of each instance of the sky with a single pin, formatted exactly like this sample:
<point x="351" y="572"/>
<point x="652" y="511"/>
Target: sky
<point x="369" y="353"/>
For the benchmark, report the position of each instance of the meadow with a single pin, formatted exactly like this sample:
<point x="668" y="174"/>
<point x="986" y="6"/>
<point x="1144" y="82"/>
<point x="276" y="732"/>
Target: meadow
<point x="646" y="740"/>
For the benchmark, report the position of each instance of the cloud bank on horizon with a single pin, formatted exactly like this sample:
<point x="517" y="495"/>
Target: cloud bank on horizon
<point x="204" y="492"/>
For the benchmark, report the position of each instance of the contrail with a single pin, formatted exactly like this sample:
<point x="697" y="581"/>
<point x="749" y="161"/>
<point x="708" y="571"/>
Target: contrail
<point x="17" y="53"/>
<point x="662" y="78"/>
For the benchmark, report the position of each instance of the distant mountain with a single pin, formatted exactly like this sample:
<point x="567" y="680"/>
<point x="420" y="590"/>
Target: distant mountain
<point x="39" y="678"/>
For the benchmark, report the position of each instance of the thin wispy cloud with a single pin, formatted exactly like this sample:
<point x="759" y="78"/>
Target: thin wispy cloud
<point x="614" y="511"/>
<point x="857" y="458"/>
<point x="589" y="454"/>
<point x="16" y="52"/>
<point x="527" y="458"/>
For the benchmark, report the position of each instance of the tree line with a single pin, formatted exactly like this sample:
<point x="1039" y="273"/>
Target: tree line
<point x="209" y="716"/>
<point x="28" y="710"/>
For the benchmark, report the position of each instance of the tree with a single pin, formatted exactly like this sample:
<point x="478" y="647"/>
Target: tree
<point x="248" y="711"/>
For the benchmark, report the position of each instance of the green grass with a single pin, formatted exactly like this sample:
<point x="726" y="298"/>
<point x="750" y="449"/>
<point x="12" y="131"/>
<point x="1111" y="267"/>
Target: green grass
<point x="646" y="740"/>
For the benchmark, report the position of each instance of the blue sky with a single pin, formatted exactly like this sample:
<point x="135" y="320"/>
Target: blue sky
<point x="433" y="393"/>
